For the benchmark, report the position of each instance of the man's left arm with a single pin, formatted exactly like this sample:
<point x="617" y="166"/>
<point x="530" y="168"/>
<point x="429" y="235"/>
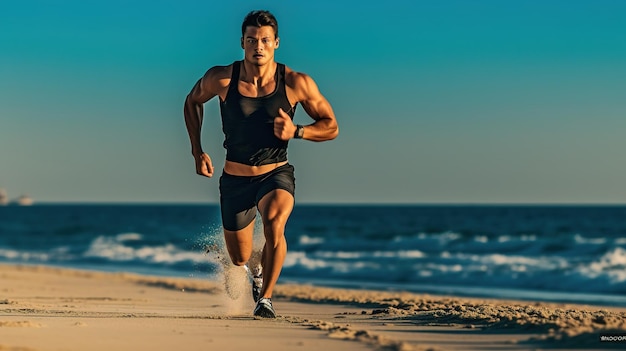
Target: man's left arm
<point x="315" y="104"/>
<point x="317" y="107"/>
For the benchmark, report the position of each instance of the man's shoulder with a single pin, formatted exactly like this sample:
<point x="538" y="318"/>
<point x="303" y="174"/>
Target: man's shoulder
<point x="219" y="72"/>
<point x="301" y="85"/>
<point x="217" y="77"/>
<point x="296" y="79"/>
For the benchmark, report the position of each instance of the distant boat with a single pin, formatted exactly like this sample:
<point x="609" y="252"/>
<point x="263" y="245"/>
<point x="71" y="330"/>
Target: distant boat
<point x="4" y="200"/>
<point x="23" y="200"/>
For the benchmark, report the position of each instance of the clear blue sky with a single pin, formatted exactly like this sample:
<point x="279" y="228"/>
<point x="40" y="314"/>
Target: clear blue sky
<point x="437" y="101"/>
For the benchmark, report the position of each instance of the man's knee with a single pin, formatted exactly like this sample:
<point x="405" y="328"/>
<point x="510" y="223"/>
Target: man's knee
<point x="239" y="244"/>
<point x="274" y="230"/>
<point x="239" y="263"/>
<point x="238" y="260"/>
<point x="240" y="253"/>
<point x="275" y="210"/>
<point x="275" y="221"/>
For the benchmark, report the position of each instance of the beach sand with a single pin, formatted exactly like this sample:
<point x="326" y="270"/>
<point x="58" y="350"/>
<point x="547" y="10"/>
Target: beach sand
<point x="46" y="308"/>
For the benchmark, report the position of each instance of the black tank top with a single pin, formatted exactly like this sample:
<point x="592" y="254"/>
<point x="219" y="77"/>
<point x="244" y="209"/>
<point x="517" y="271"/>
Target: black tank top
<point x="248" y="123"/>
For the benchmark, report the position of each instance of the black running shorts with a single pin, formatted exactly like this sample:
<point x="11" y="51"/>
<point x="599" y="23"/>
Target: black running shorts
<point x="240" y="195"/>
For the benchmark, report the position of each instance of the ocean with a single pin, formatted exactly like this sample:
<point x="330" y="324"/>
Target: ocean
<point x="547" y="253"/>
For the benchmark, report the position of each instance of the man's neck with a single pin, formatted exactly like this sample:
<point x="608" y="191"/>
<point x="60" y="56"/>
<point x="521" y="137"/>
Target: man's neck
<point x="258" y="75"/>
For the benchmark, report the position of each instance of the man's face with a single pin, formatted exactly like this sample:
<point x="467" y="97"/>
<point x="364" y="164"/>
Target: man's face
<point x="259" y="44"/>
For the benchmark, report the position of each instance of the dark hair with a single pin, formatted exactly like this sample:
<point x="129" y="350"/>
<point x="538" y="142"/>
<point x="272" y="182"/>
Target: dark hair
<point x="260" y="18"/>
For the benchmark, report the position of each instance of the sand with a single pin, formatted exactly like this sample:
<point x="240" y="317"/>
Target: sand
<point x="46" y="308"/>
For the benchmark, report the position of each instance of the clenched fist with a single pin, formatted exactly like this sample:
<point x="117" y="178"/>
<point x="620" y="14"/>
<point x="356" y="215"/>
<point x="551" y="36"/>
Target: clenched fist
<point x="204" y="166"/>
<point x="284" y="129"/>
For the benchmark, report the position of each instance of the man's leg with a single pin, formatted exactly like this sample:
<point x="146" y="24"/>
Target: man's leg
<point x="239" y="244"/>
<point x="275" y="208"/>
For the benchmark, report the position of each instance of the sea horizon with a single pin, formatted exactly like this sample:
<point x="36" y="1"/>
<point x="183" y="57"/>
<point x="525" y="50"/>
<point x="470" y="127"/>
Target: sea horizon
<point x="368" y="204"/>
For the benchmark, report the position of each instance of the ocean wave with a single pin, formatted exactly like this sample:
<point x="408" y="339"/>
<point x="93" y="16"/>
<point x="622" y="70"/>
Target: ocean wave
<point x="128" y="237"/>
<point x="606" y="275"/>
<point x="115" y="249"/>
<point x="25" y="256"/>
<point x="570" y="246"/>
<point x="549" y="249"/>
<point x="611" y="267"/>
<point x="356" y="255"/>
<point x="310" y="240"/>
<point x="579" y="239"/>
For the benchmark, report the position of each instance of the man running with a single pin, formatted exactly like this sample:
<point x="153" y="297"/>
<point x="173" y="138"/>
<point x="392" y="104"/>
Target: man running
<point x="258" y="99"/>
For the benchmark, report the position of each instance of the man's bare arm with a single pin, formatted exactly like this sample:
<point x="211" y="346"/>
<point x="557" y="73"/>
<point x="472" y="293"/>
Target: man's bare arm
<point x="204" y="90"/>
<point x="317" y="107"/>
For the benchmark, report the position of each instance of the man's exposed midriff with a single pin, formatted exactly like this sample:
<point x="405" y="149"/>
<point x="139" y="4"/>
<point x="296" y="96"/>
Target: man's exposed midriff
<point x="240" y="169"/>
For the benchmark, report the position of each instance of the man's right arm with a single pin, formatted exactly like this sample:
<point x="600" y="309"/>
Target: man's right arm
<point x="209" y="86"/>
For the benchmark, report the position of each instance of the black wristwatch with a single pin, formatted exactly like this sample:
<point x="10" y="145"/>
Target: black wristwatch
<point x="299" y="132"/>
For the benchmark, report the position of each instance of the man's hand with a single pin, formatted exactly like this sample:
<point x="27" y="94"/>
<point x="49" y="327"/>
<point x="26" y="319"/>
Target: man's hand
<point x="204" y="166"/>
<point x="284" y="129"/>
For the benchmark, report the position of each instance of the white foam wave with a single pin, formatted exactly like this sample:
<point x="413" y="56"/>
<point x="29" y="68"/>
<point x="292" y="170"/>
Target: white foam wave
<point x="399" y="254"/>
<point x="512" y="262"/>
<point x="128" y="237"/>
<point x="349" y="255"/>
<point x="593" y="241"/>
<point x="508" y="238"/>
<point x="310" y="240"/>
<point x="481" y="239"/>
<point x="300" y="259"/>
<point x="441" y="237"/>
<point x="114" y="249"/>
<point x="454" y="268"/>
<point x="24" y="256"/>
<point x="611" y="265"/>
<point x="345" y="255"/>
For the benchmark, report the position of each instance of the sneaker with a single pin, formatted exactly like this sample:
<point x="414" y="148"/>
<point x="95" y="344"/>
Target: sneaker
<point x="257" y="284"/>
<point x="264" y="308"/>
<point x="256" y="278"/>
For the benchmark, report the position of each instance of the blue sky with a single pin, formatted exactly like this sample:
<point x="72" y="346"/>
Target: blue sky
<point x="437" y="101"/>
